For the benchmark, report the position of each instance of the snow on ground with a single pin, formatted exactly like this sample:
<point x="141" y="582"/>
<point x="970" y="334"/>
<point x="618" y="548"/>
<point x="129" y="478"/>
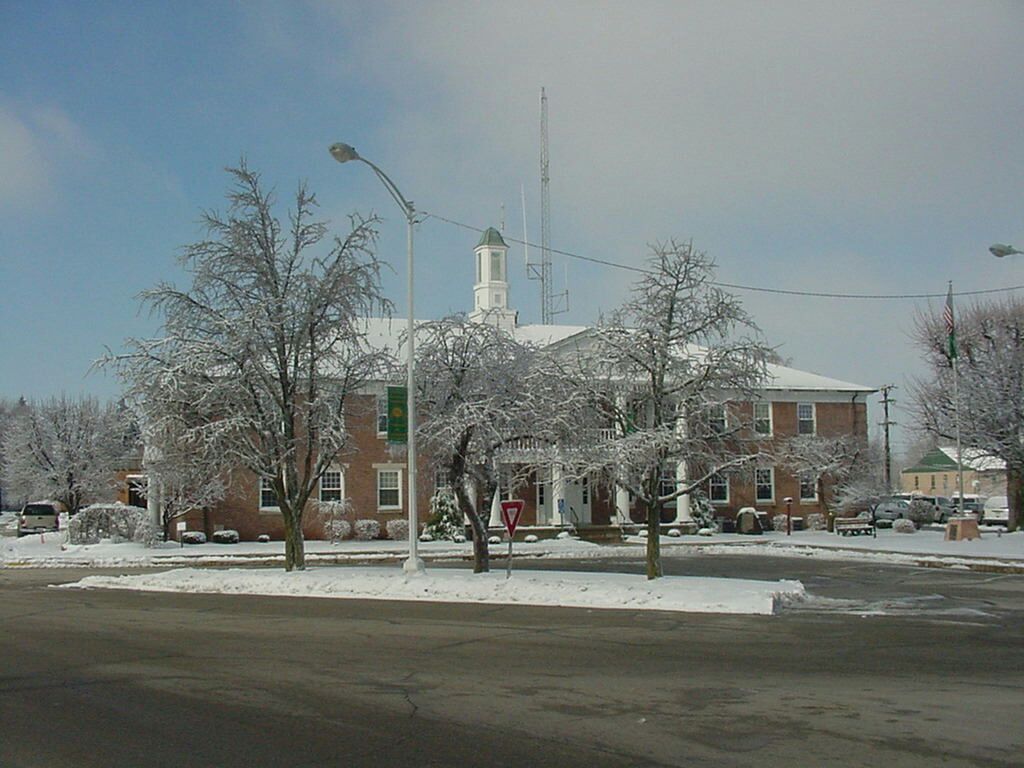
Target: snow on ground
<point x="552" y="588"/>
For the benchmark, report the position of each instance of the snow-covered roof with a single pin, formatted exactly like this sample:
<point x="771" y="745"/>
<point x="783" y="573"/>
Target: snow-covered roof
<point x="976" y="459"/>
<point x="384" y="333"/>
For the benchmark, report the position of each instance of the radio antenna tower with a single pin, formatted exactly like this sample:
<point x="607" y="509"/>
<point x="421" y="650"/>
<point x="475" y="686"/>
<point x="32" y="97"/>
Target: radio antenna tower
<point x="551" y="304"/>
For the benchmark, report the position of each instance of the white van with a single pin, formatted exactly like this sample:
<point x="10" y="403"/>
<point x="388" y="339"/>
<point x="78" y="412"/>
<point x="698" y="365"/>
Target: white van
<point x="39" y="517"/>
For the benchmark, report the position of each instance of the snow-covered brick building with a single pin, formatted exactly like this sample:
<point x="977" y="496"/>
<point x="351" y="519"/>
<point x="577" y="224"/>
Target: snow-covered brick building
<point x="372" y="478"/>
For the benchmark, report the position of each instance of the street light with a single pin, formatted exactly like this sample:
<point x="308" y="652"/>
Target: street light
<point x="1001" y="250"/>
<point x="343" y="153"/>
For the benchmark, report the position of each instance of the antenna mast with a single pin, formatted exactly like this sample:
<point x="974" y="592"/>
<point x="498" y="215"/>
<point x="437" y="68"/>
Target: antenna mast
<point x="542" y="271"/>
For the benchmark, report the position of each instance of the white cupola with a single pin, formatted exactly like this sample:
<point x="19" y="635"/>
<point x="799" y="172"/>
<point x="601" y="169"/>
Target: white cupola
<point x="490" y="291"/>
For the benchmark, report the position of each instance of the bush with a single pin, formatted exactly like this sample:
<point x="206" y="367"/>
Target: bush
<point x="263" y="538"/>
<point x="815" y="522"/>
<point x="494" y="540"/>
<point x="445" y="522"/>
<point x="706" y="532"/>
<point x="675" y="533"/>
<point x="531" y="538"/>
<point x="398" y="530"/>
<point x="367" y="530"/>
<point x="426" y="537"/>
<point x="337" y="530"/>
<point x="118" y="522"/>
<point x="779" y="523"/>
<point x="226" y="536"/>
<point x="921" y="512"/>
<point x="193" y="537"/>
<point x="904" y="525"/>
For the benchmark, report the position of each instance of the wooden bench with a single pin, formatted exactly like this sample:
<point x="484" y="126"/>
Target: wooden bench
<point x="855" y="526"/>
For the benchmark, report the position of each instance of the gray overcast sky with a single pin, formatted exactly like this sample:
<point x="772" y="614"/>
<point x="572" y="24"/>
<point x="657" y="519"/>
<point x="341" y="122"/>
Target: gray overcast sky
<point x="828" y="147"/>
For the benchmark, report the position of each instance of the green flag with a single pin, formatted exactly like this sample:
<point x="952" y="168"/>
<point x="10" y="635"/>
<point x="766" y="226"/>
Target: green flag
<point x="398" y="414"/>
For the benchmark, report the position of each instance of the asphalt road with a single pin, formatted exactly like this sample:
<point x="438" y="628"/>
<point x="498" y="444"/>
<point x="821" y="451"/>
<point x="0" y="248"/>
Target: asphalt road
<point x="885" y="666"/>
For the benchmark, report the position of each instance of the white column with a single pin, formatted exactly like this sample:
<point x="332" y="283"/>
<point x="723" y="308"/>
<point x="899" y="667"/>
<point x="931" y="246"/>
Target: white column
<point x="559" y="513"/>
<point x="683" y="502"/>
<point x="622" y="504"/>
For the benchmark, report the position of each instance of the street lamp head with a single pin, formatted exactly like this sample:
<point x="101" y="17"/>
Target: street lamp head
<point x="343" y="152"/>
<point x="1001" y="250"/>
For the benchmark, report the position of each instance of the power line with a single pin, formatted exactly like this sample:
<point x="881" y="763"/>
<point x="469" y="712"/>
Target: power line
<point x="735" y="286"/>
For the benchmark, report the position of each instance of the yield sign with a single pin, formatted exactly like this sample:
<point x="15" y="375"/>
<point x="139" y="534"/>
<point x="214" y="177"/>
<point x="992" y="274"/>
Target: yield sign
<point x="510" y="514"/>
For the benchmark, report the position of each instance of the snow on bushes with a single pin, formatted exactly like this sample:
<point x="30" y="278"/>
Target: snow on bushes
<point x="226" y="536"/>
<point x="193" y="537"/>
<point x="815" y="521"/>
<point x="675" y="533"/>
<point x="117" y="522"/>
<point x="531" y="538"/>
<point x="903" y="525"/>
<point x="332" y="514"/>
<point x="263" y="538"/>
<point x="398" y="530"/>
<point x="494" y="540"/>
<point x="367" y="530"/>
<point x="779" y="523"/>
<point x="336" y="530"/>
<point x="445" y="522"/>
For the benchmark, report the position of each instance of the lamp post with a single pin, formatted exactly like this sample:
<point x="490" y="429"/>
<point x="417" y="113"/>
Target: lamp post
<point x="343" y="153"/>
<point x="1001" y="250"/>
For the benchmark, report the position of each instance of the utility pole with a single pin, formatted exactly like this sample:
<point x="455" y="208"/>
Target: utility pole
<point x="885" y="389"/>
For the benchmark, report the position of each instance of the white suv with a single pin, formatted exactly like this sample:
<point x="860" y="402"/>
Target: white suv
<point x="39" y="517"/>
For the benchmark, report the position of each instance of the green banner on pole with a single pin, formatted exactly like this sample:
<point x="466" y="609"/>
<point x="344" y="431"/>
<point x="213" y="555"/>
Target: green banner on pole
<point x="398" y="414"/>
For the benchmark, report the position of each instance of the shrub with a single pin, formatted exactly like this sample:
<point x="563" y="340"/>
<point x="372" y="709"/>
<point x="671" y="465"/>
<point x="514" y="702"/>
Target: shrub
<point x="193" y="537"/>
<point x="226" y="536"/>
<point x="815" y="522"/>
<point x="445" y="522"/>
<point x="337" y="530"/>
<point x="706" y="532"/>
<point x="398" y="529"/>
<point x="459" y="539"/>
<point x="779" y="523"/>
<point x="904" y="525"/>
<point x="263" y="538"/>
<point x="531" y="538"/>
<point x="118" y="522"/>
<point x="367" y="530"/>
<point x="494" y="540"/>
<point x="426" y="537"/>
<point x="563" y="535"/>
<point x="701" y="511"/>
<point x="675" y="533"/>
<point x="921" y="512"/>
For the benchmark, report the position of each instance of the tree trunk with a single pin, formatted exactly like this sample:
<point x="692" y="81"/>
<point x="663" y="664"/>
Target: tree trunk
<point x="481" y="554"/>
<point x="653" y="541"/>
<point x="1014" y="496"/>
<point x="294" y="547"/>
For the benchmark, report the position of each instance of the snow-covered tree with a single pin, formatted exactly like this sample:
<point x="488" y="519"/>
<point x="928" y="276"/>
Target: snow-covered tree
<point x="990" y="364"/>
<point x="261" y="354"/>
<point x="663" y="370"/>
<point x="481" y="390"/>
<point x="825" y="461"/>
<point x="66" y="450"/>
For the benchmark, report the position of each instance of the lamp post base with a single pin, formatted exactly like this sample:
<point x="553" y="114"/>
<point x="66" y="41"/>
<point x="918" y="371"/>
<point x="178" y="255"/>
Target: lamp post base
<point x="414" y="565"/>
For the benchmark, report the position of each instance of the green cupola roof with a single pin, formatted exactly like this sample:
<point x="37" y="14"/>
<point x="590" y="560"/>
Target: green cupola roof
<point x="491" y="236"/>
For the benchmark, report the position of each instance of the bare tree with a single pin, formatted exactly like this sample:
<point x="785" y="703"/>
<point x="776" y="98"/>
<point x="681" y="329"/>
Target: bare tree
<point x="990" y="344"/>
<point x="65" y="450"/>
<point x="662" y="370"/>
<point x="824" y="460"/>
<point x="481" y="392"/>
<point x="262" y="352"/>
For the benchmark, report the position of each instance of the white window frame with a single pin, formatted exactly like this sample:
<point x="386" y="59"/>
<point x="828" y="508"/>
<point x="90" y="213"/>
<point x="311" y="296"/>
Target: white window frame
<point x="382" y="414"/>
<point x="813" y="419"/>
<point x="441" y="480"/>
<point x="723" y="484"/>
<point x="264" y="487"/>
<point x="718" y="414"/>
<point x="803" y="479"/>
<point x="496" y="274"/>
<point x="381" y="472"/>
<point x="771" y="424"/>
<point x="757" y="485"/>
<point x="341" y="484"/>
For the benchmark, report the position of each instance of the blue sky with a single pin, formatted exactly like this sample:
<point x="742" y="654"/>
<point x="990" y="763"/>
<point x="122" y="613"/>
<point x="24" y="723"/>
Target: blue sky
<point x="822" y="147"/>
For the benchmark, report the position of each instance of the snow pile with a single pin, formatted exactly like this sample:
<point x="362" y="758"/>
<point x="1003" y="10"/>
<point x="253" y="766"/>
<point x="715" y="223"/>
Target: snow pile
<point x="551" y="588"/>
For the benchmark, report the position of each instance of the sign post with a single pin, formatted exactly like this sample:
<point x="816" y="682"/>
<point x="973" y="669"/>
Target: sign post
<point x="510" y="514"/>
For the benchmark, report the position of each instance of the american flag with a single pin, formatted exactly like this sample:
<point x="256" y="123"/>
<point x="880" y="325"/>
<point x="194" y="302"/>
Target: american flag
<point x="947" y="315"/>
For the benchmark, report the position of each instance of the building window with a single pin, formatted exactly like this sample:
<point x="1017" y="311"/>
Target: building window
<point x="718" y="489"/>
<point x="762" y="418"/>
<point x="808" y="487"/>
<point x="441" y="480"/>
<point x="496" y="266"/>
<point x="542" y="492"/>
<point x="668" y="484"/>
<point x="716" y="419"/>
<point x="332" y="485"/>
<point x="268" y="499"/>
<point x="382" y="415"/>
<point x="389" y="489"/>
<point x="933" y="482"/>
<point x="917" y="482"/>
<point x="805" y="418"/>
<point x="137" y="490"/>
<point x="764" y="485"/>
<point x="586" y="491"/>
<point x="479" y="267"/>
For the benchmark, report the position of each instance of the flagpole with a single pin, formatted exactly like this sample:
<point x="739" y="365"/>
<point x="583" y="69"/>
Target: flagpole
<point x="954" y="358"/>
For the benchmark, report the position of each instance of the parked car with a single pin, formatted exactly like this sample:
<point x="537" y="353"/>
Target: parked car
<point x="888" y="510"/>
<point x="996" y="511"/>
<point x="39" y="517"/>
<point x="942" y="508"/>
